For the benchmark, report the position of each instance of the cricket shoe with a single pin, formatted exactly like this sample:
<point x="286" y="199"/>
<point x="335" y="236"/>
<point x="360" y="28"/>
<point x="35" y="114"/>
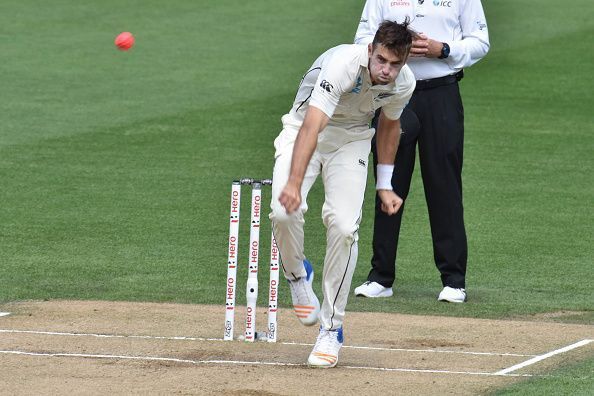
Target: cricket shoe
<point x="305" y="303"/>
<point x="453" y="295"/>
<point x="325" y="352"/>
<point x="372" y="290"/>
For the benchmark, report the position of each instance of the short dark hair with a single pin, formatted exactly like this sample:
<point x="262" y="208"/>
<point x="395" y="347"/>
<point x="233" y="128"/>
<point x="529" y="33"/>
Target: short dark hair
<point x="395" y="37"/>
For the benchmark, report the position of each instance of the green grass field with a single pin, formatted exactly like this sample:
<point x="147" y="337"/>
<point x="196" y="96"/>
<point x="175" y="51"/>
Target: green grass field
<point x="115" y="167"/>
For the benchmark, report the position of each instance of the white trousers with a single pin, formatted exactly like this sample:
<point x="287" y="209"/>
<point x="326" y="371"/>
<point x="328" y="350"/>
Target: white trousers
<point x="344" y="174"/>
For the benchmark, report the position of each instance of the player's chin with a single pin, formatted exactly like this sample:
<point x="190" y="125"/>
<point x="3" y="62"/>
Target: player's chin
<point x="384" y="80"/>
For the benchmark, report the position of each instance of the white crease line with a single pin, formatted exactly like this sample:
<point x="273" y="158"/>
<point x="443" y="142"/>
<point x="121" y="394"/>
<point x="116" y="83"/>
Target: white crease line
<point x="150" y="358"/>
<point x="244" y="362"/>
<point x="419" y="350"/>
<point x="107" y="335"/>
<point x="538" y="358"/>
<point x="435" y="371"/>
<point x="4" y="313"/>
<point x="281" y="343"/>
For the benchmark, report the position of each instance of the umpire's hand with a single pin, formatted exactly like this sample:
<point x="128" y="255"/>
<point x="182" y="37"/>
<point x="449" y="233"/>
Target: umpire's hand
<point x="391" y="202"/>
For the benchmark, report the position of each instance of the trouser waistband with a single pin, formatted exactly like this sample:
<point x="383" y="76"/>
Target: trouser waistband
<point x="439" y="81"/>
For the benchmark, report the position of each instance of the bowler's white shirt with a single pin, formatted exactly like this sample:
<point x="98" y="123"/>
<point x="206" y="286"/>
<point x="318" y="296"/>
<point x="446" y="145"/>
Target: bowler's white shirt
<point x="339" y="84"/>
<point x="460" y="23"/>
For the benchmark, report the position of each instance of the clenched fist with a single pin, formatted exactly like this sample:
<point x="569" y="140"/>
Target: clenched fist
<point x="391" y="202"/>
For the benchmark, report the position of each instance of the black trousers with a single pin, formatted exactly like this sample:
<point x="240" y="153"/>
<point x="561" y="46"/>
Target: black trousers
<point x="433" y="121"/>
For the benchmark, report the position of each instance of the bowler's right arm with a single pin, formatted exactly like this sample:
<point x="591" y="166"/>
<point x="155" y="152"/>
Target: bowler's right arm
<point x="307" y="139"/>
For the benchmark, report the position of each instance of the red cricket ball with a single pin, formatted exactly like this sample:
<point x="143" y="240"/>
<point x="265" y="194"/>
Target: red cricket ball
<point x="124" y="41"/>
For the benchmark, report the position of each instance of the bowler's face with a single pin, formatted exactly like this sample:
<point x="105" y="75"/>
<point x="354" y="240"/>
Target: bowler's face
<point x="384" y="65"/>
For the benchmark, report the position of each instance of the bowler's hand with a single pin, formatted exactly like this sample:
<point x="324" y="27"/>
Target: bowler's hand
<point x="391" y="202"/>
<point x="290" y="197"/>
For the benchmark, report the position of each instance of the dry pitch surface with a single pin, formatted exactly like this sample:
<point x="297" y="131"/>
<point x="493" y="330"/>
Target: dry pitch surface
<point x="97" y="347"/>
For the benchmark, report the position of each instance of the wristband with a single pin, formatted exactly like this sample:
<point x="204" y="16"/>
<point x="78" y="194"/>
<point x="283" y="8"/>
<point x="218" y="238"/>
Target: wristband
<point x="384" y="177"/>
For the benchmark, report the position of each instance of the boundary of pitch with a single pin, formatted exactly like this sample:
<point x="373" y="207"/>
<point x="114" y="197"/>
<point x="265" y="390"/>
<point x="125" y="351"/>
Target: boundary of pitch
<point x="184" y="338"/>
<point x="246" y="363"/>
<point x="504" y="372"/>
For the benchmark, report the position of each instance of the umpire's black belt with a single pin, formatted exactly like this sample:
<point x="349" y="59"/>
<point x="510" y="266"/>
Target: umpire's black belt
<point x="439" y="81"/>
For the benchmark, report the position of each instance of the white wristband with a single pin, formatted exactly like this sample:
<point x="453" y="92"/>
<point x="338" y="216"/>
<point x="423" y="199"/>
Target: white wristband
<point x="384" y="177"/>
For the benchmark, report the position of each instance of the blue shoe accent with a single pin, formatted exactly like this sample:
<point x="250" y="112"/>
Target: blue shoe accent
<point x="308" y="269"/>
<point x="340" y="337"/>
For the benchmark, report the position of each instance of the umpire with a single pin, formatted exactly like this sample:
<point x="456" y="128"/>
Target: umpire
<point x="450" y="35"/>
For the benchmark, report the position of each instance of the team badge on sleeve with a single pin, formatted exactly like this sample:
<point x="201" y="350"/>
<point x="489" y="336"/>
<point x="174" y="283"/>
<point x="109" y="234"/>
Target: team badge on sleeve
<point x="326" y="85"/>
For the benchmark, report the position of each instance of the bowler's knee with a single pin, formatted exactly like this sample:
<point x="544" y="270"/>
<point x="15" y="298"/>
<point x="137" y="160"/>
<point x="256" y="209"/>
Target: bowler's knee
<point x="341" y="228"/>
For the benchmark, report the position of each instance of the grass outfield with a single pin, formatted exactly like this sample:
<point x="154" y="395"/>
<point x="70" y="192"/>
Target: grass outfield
<point x="573" y="380"/>
<point x="115" y="166"/>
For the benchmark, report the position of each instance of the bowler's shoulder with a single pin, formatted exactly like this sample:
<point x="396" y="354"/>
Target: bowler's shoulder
<point x="353" y="52"/>
<point x="346" y="59"/>
<point x="405" y="81"/>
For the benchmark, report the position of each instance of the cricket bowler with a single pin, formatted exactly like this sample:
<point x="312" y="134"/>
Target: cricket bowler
<point x="327" y="134"/>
